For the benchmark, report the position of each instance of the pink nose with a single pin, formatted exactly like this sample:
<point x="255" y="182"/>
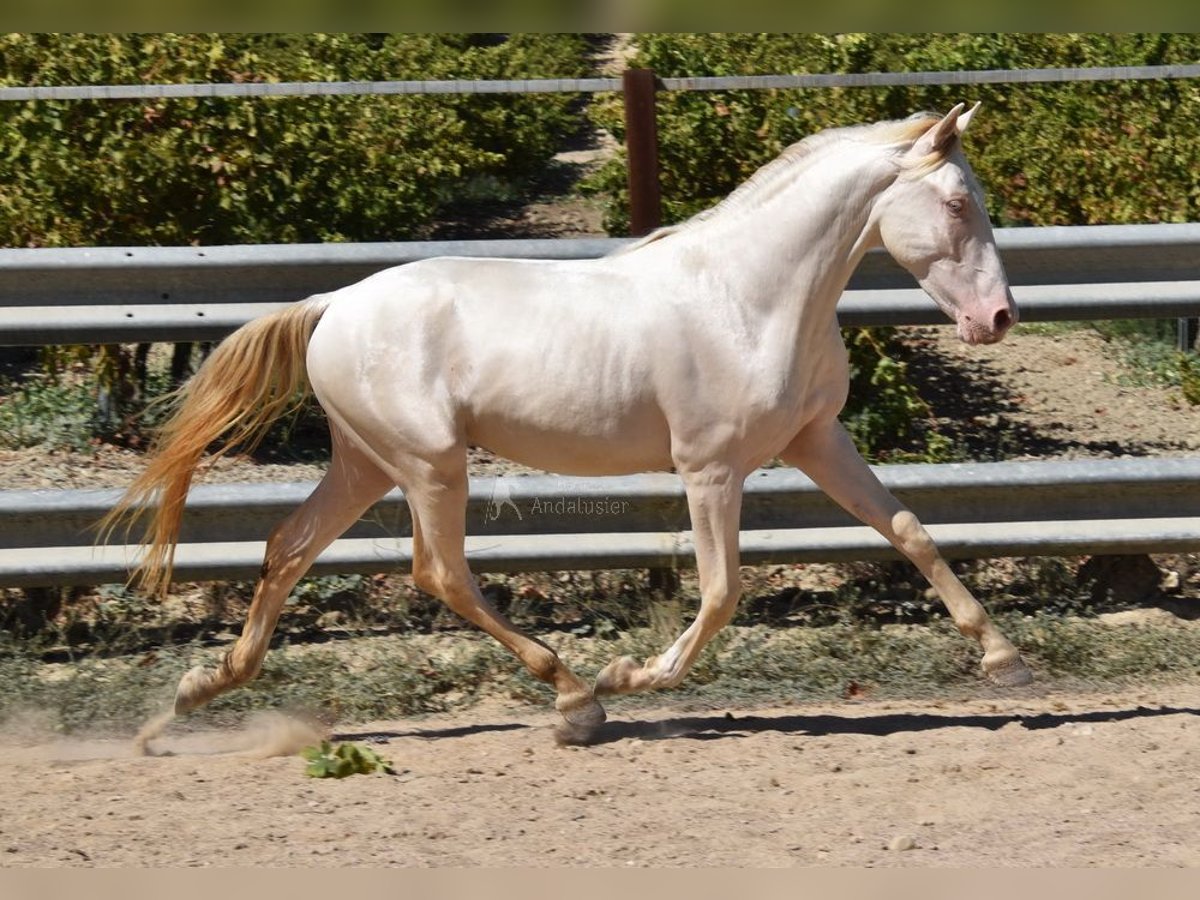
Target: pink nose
<point x="989" y="324"/>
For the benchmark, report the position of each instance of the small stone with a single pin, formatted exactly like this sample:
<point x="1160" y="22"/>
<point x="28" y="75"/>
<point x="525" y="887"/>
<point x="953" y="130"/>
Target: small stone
<point x="902" y="842"/>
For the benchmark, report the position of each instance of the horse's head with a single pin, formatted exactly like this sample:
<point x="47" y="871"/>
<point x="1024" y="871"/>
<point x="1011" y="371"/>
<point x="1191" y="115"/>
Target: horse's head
<point x="933" y="221"/>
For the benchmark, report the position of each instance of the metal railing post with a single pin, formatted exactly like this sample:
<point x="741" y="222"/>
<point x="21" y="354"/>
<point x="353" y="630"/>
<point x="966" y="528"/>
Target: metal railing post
<point x="1186" y="332"/>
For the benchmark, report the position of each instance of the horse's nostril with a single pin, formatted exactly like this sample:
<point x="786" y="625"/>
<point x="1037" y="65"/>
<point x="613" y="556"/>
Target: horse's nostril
<point x="1001" y="321"/>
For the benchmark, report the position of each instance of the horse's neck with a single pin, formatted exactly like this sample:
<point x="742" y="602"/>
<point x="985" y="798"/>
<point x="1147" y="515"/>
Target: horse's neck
<point x="797" y="246"/>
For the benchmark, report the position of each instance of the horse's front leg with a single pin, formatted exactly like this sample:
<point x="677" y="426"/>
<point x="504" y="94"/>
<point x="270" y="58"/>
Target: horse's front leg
<point x="714" y="502"/>
<point x="825" y="452"/>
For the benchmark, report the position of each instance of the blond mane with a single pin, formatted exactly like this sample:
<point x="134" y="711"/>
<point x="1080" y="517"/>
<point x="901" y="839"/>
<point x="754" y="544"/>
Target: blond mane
<point x="900" y="132"/>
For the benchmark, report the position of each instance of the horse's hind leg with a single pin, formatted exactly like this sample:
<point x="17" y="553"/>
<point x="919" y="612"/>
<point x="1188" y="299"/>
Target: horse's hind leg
<point x="438" y="499"/>
<point x="348" y="489"/>
<point x="825" y="452"/>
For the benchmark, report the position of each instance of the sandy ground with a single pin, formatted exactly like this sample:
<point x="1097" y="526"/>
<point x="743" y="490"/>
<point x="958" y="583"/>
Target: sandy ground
<point x="1046" y="778"/>
<point x="1059" y="395"/>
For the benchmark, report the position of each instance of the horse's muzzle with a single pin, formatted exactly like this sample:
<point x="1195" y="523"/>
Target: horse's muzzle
<point x="989" y="327"/>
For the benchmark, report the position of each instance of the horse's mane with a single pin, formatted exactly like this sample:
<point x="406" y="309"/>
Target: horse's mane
<point x="901" y="132"/>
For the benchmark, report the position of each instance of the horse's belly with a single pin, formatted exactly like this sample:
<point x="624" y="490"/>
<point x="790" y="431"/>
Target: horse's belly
<point x="633" y="444"/>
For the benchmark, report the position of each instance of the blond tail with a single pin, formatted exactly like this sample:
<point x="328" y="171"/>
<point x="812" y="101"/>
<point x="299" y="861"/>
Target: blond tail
<point x="255" y="376"/>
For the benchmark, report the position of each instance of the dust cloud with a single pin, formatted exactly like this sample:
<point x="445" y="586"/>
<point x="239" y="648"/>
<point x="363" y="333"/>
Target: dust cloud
<point x="30" y="735"/>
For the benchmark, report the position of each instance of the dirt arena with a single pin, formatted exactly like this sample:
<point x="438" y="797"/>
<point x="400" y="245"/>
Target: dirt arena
<point x="1043" y="778"/>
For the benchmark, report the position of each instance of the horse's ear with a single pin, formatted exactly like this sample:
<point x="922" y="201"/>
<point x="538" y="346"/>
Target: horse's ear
<point x="938" y="139"/>
<point x="965" y="119"/>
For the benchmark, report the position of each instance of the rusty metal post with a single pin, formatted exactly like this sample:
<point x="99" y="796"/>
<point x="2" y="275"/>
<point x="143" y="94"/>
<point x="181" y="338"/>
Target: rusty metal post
<point x="641" y="147"/>
<point x="645" y="210"/>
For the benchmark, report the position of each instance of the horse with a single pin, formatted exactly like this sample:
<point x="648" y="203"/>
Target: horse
<point x="707" y="348"/>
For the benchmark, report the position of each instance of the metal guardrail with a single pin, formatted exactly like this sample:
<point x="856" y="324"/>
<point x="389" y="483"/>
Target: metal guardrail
<point x="1002" y="509"/>
<point x="550" y="523"/>
<point x="23" y="93"/>
<point x="114" y="294"/>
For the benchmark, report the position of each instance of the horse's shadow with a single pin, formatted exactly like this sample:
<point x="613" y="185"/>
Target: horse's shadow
<point x="727" y="726"/>
<point x="962" y="392"/>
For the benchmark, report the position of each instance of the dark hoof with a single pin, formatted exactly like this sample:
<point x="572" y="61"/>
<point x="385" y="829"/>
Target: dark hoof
<point x="1011" y="673"/>
<point x="567" y="734"/>
<point x="588" y="715"/>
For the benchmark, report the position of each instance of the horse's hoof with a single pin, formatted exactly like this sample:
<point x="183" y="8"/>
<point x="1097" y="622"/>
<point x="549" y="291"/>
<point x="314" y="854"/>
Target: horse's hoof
<point x="569" y="734"/>
<point x="617" y="676"/>
<point x="1011" y="672"/>
<point x="193" y="690"/>
<point x="585" y="715"/>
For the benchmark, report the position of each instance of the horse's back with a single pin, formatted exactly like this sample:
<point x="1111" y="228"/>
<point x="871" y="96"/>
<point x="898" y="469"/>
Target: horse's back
<point x="545" y="362"/>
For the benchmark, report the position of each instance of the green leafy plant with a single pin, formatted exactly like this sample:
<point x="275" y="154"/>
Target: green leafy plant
<point x="1189" y="378"/>
<point x="329" y="760"/>
<point x="262" y="170"/>
<point x="1048" y="154"/>
<point x="46" y="410"/>
<point x="883" y="410"/>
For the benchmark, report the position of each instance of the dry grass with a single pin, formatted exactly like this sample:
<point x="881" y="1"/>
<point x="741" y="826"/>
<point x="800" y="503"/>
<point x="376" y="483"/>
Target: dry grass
<point x="845" y="632"/>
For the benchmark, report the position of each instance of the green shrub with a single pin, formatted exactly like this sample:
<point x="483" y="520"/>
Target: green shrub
<point x="217" y="171"/>
<point x="43" y="410"/>
<point x="884" y="414"/>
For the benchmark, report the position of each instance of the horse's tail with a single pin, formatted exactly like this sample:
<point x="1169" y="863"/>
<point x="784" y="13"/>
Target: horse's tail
<point x="255" y="376"/>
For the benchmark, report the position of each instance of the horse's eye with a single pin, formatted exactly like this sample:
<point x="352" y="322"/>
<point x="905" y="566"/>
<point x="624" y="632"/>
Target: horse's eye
<point x="956" y="206"/>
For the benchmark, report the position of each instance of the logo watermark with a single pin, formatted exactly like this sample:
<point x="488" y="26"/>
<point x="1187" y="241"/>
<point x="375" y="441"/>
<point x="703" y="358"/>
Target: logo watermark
<point x="579" y="506"/>
<point x="502" y="500"/>
<point x="501" y="497"/>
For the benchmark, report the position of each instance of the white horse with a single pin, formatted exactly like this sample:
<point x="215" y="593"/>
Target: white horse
<point x="708" y="347"/>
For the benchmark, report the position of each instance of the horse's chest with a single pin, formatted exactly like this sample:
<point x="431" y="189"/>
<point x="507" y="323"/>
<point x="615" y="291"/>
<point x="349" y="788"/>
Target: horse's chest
<point x="795" y="384"/>
<point x="748" y="406"/>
